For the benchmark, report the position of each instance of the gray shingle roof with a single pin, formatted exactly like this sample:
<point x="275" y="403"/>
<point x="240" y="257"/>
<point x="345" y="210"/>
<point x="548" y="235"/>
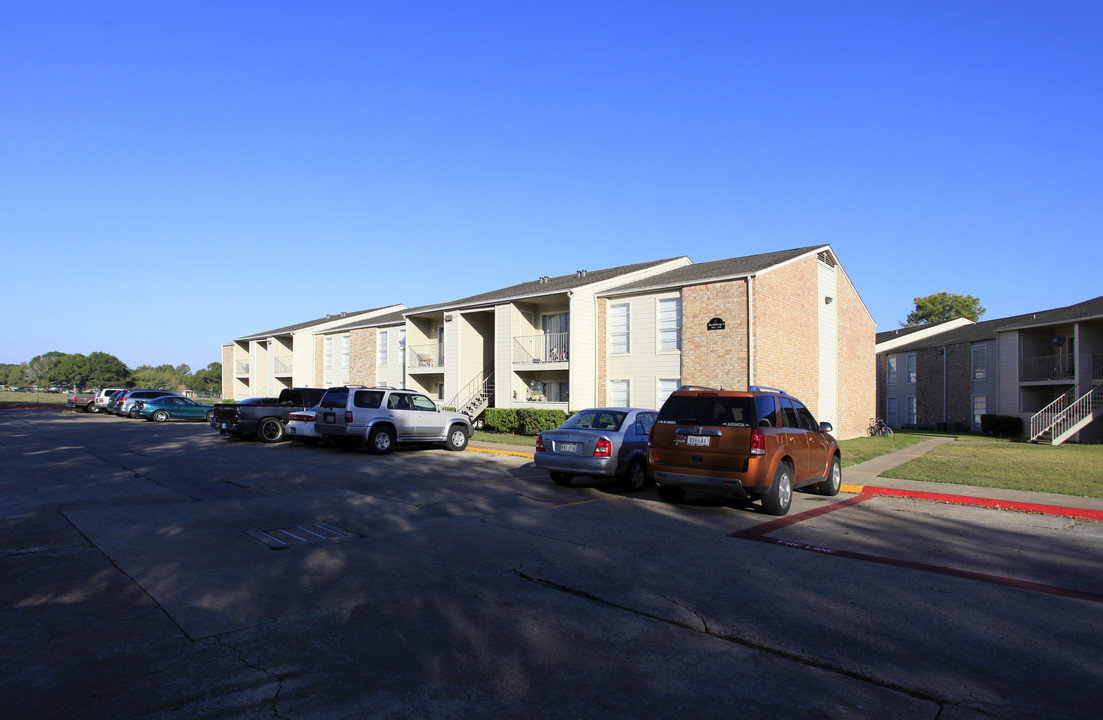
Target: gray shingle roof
<point x="542" y="286"/>
<point x="392" y="318"/>
<point x="300" y="326"/>
<point x="905" y="331"/>
<point x="1080" y="311"/>
<point x="713" y="271"/>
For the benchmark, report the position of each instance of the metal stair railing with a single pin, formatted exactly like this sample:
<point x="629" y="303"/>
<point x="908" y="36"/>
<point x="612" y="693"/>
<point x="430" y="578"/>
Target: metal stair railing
<point x="1042" y="421"/>
<point x="1065" y="419"/>
<point x="475" y="395"/>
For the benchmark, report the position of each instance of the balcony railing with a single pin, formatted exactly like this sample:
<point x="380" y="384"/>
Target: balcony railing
<point x="1050" y="367"/>
<point x="241" y="367"/>
<point x="281" y="365"/>
<point x="545" y="348"/>
<point x="424" y="356"/>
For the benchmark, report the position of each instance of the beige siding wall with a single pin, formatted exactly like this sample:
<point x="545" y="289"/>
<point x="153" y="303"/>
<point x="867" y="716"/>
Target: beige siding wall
<point x="228" y="371"/>
<point x="644" y="364"/>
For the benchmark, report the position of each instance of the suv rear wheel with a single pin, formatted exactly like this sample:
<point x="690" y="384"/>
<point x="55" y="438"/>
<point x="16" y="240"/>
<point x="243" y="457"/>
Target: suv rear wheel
<point x="779" y="497"/>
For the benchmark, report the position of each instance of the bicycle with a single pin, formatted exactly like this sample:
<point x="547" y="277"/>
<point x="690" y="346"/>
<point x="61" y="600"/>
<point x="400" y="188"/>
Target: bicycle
<point x="877" y="427"/>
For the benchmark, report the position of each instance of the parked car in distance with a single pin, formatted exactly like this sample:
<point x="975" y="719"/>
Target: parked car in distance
<point x="103" y="398"/>
<point x="353" y="414"/>
<point x="125" y="408"/>
<point x="81" y="401"/>
<point x="264" y="418"/>
<point x="599" y="442"/>
<point x="300" y="426"/>
<point x="760" y="443"/>
<point x="173" y="407"/>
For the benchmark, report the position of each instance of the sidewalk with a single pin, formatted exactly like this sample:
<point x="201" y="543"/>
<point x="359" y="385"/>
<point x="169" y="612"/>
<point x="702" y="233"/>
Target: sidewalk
<point x="873" y="477"/>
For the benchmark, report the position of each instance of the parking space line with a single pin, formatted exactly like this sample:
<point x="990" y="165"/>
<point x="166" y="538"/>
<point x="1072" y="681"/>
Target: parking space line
<point x="759" y="532"/>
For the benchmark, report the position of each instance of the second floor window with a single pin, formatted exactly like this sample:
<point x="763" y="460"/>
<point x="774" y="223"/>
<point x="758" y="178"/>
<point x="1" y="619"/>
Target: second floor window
<point x="618" y="329"/>
<point x="670" y="325"/>
<point x="381" y="353"/>
<point x="911" y="369"/>
<point x="980" y="362"/>
<point x="345" y="345"/>
<point x="890" y="369"/>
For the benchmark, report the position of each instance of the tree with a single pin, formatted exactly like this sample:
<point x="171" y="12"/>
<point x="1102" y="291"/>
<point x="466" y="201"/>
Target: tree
<point x="943" y="306"/>
<point x="205" y="380"/>
<point x="162" y="377"/>
<point x="72" y="369"/>
<point x="107" y="370"/>
<point x="37" y="371"/>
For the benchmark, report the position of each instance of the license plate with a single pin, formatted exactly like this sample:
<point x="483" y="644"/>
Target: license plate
<point x="697" y="440"/>
<point x="570" y="448"/>
<point x="224" y="425"/>
<point x="329" y="417"/>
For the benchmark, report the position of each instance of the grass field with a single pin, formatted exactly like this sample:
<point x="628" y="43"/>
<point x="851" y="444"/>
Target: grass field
<point x="10" y="399"/>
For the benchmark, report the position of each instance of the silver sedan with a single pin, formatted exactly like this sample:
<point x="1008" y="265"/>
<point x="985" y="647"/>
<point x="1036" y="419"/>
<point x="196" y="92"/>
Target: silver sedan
<point x="599" y="442"/>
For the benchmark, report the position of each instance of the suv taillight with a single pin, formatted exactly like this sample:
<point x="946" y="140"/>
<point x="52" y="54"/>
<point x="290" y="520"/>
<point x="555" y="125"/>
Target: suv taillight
<point x="604" y="448"/>
<point x="348" y="417"/>
<point x="758" y="442"/>
<point x="539" y="443"/>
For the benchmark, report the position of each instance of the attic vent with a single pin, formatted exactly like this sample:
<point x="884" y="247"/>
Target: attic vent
<point x="827" y="259"/>
<point x="580" y="273"/>
<point x="543" y="279"/>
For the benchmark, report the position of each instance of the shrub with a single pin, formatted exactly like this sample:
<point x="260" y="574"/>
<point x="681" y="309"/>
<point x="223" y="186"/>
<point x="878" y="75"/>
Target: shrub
<point x="531" y="421"/>
<point x="503" y="420"/>
<point x="1001" y="425"/>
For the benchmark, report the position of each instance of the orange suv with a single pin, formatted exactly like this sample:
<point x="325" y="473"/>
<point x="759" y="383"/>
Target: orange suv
<point x="757" y="443"/>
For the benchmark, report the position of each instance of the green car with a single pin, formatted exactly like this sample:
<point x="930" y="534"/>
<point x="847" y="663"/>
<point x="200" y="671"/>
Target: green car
<point x="173" y="407"/>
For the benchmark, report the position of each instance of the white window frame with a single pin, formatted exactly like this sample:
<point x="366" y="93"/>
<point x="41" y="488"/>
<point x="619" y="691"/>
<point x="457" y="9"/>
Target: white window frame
<point x="346" y="347"/>
<point x="627" y="392"/>
<point x="327" y="351"/>
<point x="910" y="410"/>
<point x="912" y="368"/>
<point x="620" y="340"/>
<point x="891" y="364"/>
<point x="669" y="336"/>
<point x="980" y="366"/>
<point x="890" y="412"/>
<point x="661" y="392"/>
<point x="983" y="398"/>
<point x="381" y="354"/>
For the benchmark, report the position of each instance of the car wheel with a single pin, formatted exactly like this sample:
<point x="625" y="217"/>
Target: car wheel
<point x="560" y="478"/>
<point x="636" y="477"/>
<point x="90" y="407"/>
<point x="134" y="413"/>
<point x="779" y="497"/>
<point x="160" y="416"/>
<point x="670" y="493"/>
<point x="457" y="438"/>
<point x="270" y="430"/>
<point x="209" y="416"/>
<point x="381" y="441"/>
<point x="830" y="486"/>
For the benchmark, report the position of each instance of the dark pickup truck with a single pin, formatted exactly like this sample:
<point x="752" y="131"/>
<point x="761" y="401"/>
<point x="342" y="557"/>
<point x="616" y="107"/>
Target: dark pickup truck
<point x="264" y="418"/>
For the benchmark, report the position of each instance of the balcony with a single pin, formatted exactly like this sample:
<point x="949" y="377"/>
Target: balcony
<point x="1049" y="368"/>
<point x="546" y="348"/>
<point x="241" y="367"/>
<point x="426" y="358"/>
<point x="281" y="365"/>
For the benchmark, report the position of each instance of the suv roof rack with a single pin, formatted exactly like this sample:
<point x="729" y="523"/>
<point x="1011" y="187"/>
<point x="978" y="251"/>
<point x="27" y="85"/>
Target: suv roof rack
<point x="763" y="388"/>
<point x="695" y="387"/>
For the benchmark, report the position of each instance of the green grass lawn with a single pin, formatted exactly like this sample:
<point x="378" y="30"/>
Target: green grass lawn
<point x="23" y="399"/>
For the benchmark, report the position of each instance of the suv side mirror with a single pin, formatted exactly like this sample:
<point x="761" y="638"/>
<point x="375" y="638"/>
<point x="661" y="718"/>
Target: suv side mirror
<point x="825" y="427"/>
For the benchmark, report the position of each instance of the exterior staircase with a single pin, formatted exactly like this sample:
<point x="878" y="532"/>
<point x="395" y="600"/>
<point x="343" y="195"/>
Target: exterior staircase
<point x="475" y="397"/>
<point x="1066" y="416"/>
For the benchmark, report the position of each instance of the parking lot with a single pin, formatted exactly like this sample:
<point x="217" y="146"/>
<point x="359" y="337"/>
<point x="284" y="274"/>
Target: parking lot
<point x="162" y="571"/>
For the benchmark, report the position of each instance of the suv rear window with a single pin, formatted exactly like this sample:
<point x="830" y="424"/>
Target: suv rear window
<point x="726" y="411"/>
<point x="335" y="399"/>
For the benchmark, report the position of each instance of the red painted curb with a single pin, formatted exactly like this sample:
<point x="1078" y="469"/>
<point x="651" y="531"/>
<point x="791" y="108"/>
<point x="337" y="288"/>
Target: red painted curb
<point x="989" y="502"/>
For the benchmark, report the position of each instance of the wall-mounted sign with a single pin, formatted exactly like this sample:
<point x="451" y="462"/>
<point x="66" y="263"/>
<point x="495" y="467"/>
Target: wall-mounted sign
<point x="716" y="324"/>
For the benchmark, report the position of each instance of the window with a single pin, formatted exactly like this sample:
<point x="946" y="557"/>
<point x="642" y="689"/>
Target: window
<point x="328" y="351"/>
<point x="980" y="407"/>
<point x="618" y="329"/>
<point x="666" y="386"/>
<point x="891" y="412"/>
<point x="619" y="393"/>
<point x="789" y="413"/>
<point x="670" y="325"/>
<point x="345" y="344"/>
<point x="381" y="353"/>
<point x="910" y="402"/>
<point x="890" y="370"/>
<point x="911" y="368"/>
<point x="980" y="362"/>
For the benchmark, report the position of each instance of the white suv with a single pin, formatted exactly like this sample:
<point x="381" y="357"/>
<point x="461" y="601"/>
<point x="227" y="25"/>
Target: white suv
<point x="381" y="417"/>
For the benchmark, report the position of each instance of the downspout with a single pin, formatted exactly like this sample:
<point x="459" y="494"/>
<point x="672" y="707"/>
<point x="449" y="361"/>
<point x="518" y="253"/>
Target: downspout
<point x="750" y="332"/>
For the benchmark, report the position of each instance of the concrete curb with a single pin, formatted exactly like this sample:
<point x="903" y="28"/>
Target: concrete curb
<point x="1070" y="512"/>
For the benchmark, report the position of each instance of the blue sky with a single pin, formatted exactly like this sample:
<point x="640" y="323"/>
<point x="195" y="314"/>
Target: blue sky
<point x="174" y="175"/>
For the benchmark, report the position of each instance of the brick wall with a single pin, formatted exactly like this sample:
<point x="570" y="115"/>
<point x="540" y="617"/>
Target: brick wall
<point x="786" y="330"/>
<point x="715" y="358"/>
<point x="928" y="387"/>
<point x="857" y="362"/>
<point x="363" y="345"/>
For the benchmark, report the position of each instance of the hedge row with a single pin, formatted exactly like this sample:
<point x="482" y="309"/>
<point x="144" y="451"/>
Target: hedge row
<point x="1001" y="425"/>
<point x="523" y="421"/>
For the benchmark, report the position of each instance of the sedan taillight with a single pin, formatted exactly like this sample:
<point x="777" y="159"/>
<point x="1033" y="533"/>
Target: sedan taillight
<point x="604" y="448"/>
<point x="539" y="443"/>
